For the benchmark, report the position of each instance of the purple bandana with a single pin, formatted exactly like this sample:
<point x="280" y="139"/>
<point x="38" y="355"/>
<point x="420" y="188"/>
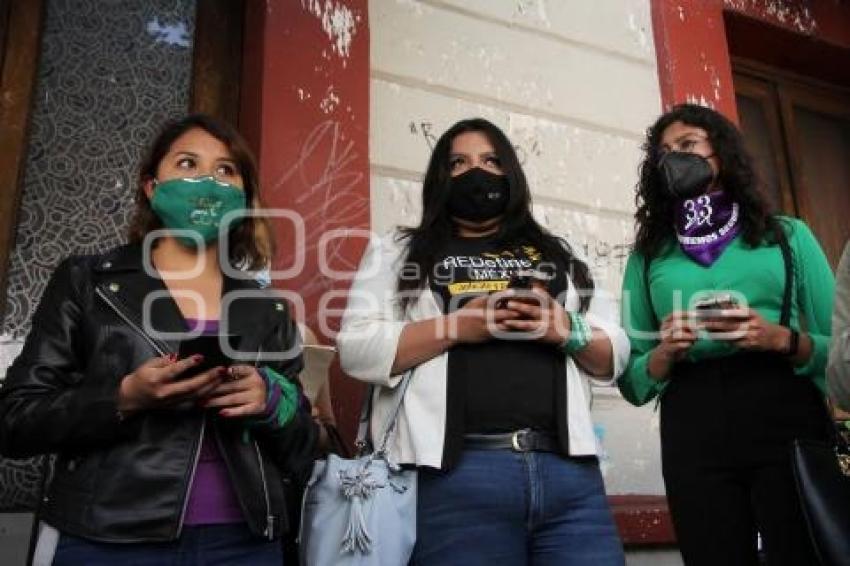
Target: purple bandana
<point x="705" y="225"/>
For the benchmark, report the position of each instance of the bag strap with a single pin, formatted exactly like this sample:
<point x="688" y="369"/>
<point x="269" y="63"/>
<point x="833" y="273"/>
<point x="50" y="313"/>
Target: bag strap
<point x="362" y="441"/>
<point x="833" y="428"/>
<point x="785" y="247"/>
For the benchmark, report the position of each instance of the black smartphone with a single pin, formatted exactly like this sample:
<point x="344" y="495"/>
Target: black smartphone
<point x="209" y="346"/>
<point x="524" y="280"/>
<point x="521" y="280"/>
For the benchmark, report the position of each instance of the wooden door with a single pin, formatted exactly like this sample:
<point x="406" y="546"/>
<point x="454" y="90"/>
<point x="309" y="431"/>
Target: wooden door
<point x="799" y="133"/>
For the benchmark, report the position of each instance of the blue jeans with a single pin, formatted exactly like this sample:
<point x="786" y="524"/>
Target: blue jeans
<point x="209" y="544"/>
<point x="503" y="507"/>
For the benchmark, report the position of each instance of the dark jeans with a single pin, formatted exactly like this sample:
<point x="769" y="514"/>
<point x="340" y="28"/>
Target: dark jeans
<point x="203" y="545"/>
<point x="726" y="431"/>
<point x="500" y="507"/>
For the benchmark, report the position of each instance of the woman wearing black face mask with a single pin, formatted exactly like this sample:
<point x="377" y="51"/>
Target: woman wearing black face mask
<point x="713" y="299"/>
<point x="496" y="415"/>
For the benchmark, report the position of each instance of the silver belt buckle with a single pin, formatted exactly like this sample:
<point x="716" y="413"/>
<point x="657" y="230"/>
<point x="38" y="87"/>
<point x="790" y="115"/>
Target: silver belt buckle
<point x="515" y="440"/>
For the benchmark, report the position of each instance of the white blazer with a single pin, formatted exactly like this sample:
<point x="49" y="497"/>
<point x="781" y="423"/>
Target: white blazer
<point x="368" y="340"/>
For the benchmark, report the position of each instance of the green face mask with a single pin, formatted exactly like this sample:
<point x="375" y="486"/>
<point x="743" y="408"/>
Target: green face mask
<point x="197" y="204"/>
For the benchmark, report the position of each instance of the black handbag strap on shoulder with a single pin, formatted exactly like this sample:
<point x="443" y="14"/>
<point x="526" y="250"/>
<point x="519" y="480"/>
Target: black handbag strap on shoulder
<point x="787" y="293"/>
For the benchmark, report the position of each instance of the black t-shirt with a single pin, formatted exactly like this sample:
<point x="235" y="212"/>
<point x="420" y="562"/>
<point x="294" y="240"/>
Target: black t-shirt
<point x="500" y="385"/>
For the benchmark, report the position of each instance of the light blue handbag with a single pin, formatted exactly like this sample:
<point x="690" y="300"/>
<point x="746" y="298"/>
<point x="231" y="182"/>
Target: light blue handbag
<point x="360" y="511"/>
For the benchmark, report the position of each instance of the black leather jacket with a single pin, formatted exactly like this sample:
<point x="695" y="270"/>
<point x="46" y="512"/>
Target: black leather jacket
<point x="128" y="479"/>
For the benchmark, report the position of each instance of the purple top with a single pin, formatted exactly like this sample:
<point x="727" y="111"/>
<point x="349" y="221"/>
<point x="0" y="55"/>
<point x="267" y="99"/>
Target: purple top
<point x="212" y="500"/>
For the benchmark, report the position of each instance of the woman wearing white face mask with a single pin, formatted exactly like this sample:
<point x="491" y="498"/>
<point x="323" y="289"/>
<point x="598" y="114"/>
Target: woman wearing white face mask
<point x="714" y="299"/>
<point x="502" y="327"/>
<point x="161" y="458"/>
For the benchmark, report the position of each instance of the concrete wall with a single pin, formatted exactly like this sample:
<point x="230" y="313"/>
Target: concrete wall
<point x="574" y="85"/>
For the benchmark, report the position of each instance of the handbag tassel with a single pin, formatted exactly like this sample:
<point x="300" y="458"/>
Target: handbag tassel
<point x="356" y="538"/>
<point x="358" y="488"/>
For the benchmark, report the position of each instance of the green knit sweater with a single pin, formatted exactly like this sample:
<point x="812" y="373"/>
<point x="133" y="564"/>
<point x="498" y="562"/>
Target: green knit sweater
<point x="756" y="273"/>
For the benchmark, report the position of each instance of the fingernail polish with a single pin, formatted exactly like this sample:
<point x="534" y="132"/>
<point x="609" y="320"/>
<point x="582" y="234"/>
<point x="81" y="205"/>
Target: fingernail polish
<point x="197" y="358"/>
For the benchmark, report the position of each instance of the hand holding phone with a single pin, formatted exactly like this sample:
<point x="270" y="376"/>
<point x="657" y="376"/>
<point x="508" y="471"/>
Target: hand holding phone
<point x="715" y="306"/>
<point x="525" y="281"/>
<point x="722" y="318"/>
<point x="165" y="382"/>
<point x="208" y="346"/>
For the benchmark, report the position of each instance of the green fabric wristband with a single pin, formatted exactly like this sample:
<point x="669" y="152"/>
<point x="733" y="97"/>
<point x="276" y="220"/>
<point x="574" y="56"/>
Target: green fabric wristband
<point x="287" y="404"/>
<point x="580" y="334"/>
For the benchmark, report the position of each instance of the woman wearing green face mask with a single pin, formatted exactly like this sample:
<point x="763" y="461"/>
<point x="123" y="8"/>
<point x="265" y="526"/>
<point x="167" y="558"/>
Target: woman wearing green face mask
<point x="161" y="456"/>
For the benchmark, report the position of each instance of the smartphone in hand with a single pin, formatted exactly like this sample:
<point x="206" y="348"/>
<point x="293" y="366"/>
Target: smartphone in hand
<point x="209" y="346"/>
<point x="525" y="281"/>
<point x="716" y="309"/>
<point x="713" y="307"/>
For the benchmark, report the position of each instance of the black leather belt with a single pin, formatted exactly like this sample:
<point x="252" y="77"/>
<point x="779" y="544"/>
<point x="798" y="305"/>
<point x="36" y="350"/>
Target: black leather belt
<point x="525" y="440"/>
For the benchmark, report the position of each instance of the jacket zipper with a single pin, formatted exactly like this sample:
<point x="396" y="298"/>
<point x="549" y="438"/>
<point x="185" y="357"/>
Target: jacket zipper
<point x="191" y="478"/>
<point x="161" y="351"/>
<point x="269" y="532"/>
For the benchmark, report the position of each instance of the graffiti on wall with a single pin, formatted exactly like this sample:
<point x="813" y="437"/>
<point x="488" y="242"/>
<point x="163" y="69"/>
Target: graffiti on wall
<point x="325" y="177"/>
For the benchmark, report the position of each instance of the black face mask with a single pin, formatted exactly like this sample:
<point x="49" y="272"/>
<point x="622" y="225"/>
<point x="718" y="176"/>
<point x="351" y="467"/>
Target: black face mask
<point x="478" y="195"/>
<point x="685" y="175"/>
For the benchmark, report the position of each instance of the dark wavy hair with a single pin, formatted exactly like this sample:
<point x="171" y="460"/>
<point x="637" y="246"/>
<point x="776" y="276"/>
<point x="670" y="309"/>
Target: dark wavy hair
<point x="518" y="226"/>
<point x="251" y="241"/>
<point x="737" y="177"/>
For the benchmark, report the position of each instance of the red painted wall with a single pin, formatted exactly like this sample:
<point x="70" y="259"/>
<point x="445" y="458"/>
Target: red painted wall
<point x="693" y="40"/>
<point x="305" y="110"/>
<point x="692" y="54"/>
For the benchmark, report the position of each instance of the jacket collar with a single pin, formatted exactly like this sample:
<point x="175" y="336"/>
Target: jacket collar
<point x="121" y="275"/>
